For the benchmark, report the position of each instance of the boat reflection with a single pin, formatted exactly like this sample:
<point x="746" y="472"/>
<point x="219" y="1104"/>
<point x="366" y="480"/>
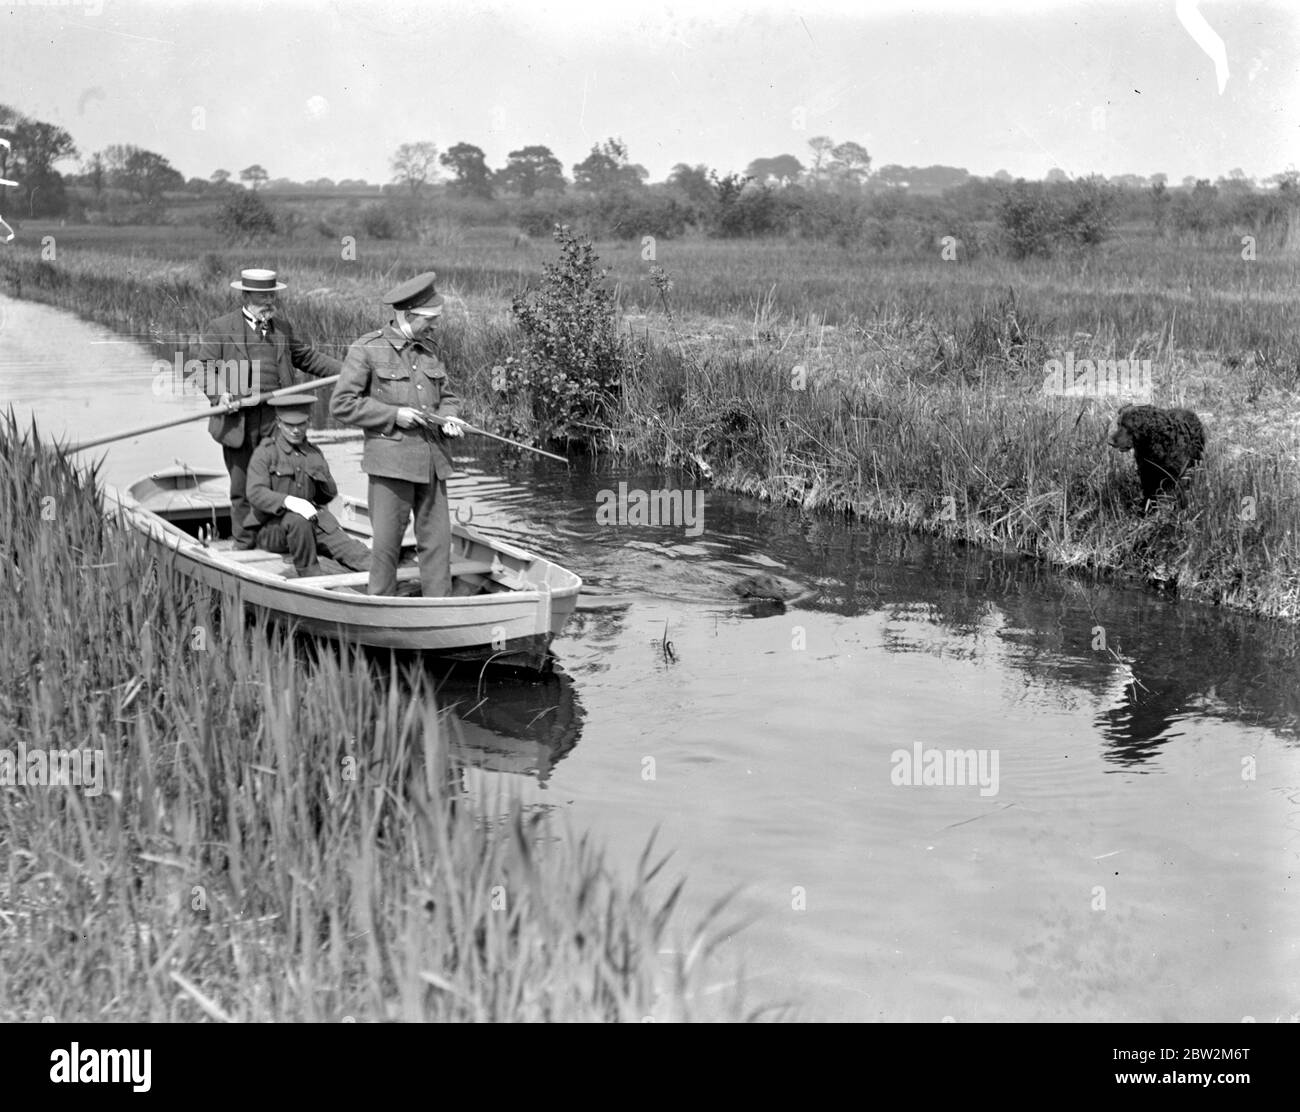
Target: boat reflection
<point x="503" y="722"/>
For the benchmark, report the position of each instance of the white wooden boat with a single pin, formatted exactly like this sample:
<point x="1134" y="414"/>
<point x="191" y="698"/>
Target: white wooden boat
<point x="506" y="604"/>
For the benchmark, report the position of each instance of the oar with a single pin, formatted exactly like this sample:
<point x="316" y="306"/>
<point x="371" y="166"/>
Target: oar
<point x="241" y="403"/>
<point x="484" y="432"/>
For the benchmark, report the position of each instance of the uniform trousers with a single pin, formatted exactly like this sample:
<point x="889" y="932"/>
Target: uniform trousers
<point x="392" y="502"/>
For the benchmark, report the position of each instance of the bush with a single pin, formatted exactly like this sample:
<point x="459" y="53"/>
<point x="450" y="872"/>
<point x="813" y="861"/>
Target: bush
<point x="245" y="216"/>
<point x="570" y="372"/>
<point x="1027" y="220"/>
<point x="378" y="222"/>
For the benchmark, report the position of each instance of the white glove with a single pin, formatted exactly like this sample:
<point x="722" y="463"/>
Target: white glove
<point x="299" y="506"/>
<point x="453" y="426"/>
<point x="226" y="399"/>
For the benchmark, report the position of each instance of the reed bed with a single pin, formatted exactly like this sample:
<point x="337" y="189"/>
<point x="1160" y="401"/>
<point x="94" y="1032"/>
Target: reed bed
<point x="279" y="835"/>
<point x="921" y="398"/>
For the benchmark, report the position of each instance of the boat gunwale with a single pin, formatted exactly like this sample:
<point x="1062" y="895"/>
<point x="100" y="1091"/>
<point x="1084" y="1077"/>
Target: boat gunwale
<point x="161" y="531"/>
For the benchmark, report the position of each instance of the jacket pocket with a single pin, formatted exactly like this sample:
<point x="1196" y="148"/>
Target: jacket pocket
<point x="392" y="385"/>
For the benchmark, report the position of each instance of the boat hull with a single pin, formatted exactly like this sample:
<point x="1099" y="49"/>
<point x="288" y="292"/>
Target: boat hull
<point x="520" y="601"/>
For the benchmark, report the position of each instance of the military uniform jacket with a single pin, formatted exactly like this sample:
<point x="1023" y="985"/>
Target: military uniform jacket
<point x="228" y="338"/>
<point x="279" y="468"/>
<point x="384" y="370"/>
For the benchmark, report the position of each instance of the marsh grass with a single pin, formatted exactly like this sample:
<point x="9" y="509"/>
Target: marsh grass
<point x="280" y="837"/>
<point x="922" y="402"/>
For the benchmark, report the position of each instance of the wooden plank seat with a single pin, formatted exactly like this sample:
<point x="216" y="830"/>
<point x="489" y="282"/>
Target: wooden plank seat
<point x="362" y="578"/>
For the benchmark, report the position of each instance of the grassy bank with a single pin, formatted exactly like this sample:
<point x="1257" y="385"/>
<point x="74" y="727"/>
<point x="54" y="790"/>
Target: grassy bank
<point x="269" y="836"/>
<point x="902" y="390"/>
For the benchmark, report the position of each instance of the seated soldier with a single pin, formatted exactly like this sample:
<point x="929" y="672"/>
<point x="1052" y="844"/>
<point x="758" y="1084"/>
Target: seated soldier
<point x="289" y="484"/>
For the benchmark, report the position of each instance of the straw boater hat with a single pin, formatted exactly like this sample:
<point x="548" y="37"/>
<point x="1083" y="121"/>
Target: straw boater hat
<point x="258" y="281"/>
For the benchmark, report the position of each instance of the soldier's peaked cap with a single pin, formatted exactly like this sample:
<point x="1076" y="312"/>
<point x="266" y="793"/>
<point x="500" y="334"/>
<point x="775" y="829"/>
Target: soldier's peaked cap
<point x="295" y="408"/>
<point x="415" y="293"/>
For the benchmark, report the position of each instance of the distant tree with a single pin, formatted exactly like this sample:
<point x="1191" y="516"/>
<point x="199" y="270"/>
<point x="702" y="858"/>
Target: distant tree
<point x="1159" y="179"/>
<point x="469" y="164"/>
<point x="1189" y="182"/>
<point x="254" y="175"/>
<point x="893" y="175"/>
<point x="531" y="169"/>
<point x="1288" y="181"/>
<point x="321" y="183"/>
<point x="197" y="185"/>
<point x="607" y="167"/>
<point x="1056" y="175"/>
<point x="783" y="168"/>
<point x="693" y="181"/>
<point x="36" y="147"/>
<point x="219" y="178"/>
<point x="850" y="162"/>
<point x="1236" y="182"/>
<point x="414" y="164"/>
<point x="94" y="174"/>
<point x="144" y="174"/>
<point x="354" y="183"/>
<point x="822" y="148"/>
<point x="1003" y="176"/>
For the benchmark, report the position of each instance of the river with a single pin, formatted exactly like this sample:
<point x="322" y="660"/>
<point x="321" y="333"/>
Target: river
<point x="1128" y="849"/>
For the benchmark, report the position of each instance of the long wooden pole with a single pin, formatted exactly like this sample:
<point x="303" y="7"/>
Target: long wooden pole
<point x="216" y="410"/>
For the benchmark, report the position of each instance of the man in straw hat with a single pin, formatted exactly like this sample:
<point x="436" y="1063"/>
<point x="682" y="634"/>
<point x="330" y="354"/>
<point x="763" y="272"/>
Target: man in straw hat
<point x="289" y="486"/>
<point x="251" y="351"/>
<point x="392" y="379"/>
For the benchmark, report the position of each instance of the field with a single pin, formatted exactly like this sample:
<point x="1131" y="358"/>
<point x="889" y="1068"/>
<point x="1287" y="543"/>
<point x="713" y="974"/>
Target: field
<point x="897" y="386"/>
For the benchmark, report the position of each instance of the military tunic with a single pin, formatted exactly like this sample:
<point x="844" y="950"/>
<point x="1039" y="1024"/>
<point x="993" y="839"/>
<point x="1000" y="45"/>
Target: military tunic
<point x="408" y="468"/>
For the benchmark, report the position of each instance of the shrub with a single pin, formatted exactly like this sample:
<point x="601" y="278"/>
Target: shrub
<point x="378" y="223"/>
<point x="245" y="216"/>
<point x="1026" y="219"/>
<point x="570" y="372"/>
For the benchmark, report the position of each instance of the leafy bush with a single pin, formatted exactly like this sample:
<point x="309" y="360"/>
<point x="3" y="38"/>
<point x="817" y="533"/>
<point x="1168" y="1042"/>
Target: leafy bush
<point x="245" y="216"/>
<point x="570" y="372"/>
<point x="1027" y="220"/>
<point x="378" y="222"/>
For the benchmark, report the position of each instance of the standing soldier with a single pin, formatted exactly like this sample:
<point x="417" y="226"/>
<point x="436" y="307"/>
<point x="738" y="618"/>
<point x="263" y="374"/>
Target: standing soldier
<point x="289" y="486"/>
<point x="391" y="380"/>
<point x="251" y="352"/>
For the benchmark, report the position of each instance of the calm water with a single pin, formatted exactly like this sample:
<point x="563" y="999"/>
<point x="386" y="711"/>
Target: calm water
<point x="1137" y="860"/>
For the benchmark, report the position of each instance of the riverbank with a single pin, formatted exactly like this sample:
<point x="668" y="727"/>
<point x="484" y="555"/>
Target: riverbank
<point x="205" y="823"/>
<point x="936" y="424"/>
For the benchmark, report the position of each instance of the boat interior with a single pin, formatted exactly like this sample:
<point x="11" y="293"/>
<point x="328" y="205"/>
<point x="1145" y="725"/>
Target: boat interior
<point x="476" y="568"/>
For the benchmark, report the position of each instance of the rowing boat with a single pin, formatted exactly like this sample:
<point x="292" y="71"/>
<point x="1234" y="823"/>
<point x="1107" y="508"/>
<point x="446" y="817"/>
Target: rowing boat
<point x="506" y="603"/>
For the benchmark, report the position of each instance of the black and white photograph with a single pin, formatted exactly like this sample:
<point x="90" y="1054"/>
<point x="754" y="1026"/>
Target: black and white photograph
<point x="578" y="512"/>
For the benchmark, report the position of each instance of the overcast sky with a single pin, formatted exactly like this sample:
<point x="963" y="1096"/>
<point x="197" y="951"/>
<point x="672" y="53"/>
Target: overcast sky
<point x="331" y="88"/>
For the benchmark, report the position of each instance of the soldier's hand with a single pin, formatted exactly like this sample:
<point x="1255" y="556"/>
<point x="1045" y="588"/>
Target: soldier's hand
<point x="408" y="417"/>
<point x="226" y="399"/>
<point x="453" y="426"/>
<point x="299" y="506"/>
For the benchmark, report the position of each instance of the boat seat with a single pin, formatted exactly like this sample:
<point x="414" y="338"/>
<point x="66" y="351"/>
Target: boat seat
<point x="249" y="555"/>
<point x="361" y="578"/>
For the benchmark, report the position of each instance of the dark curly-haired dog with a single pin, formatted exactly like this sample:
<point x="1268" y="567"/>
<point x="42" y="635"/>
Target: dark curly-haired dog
<point x="1165" y="443"/>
